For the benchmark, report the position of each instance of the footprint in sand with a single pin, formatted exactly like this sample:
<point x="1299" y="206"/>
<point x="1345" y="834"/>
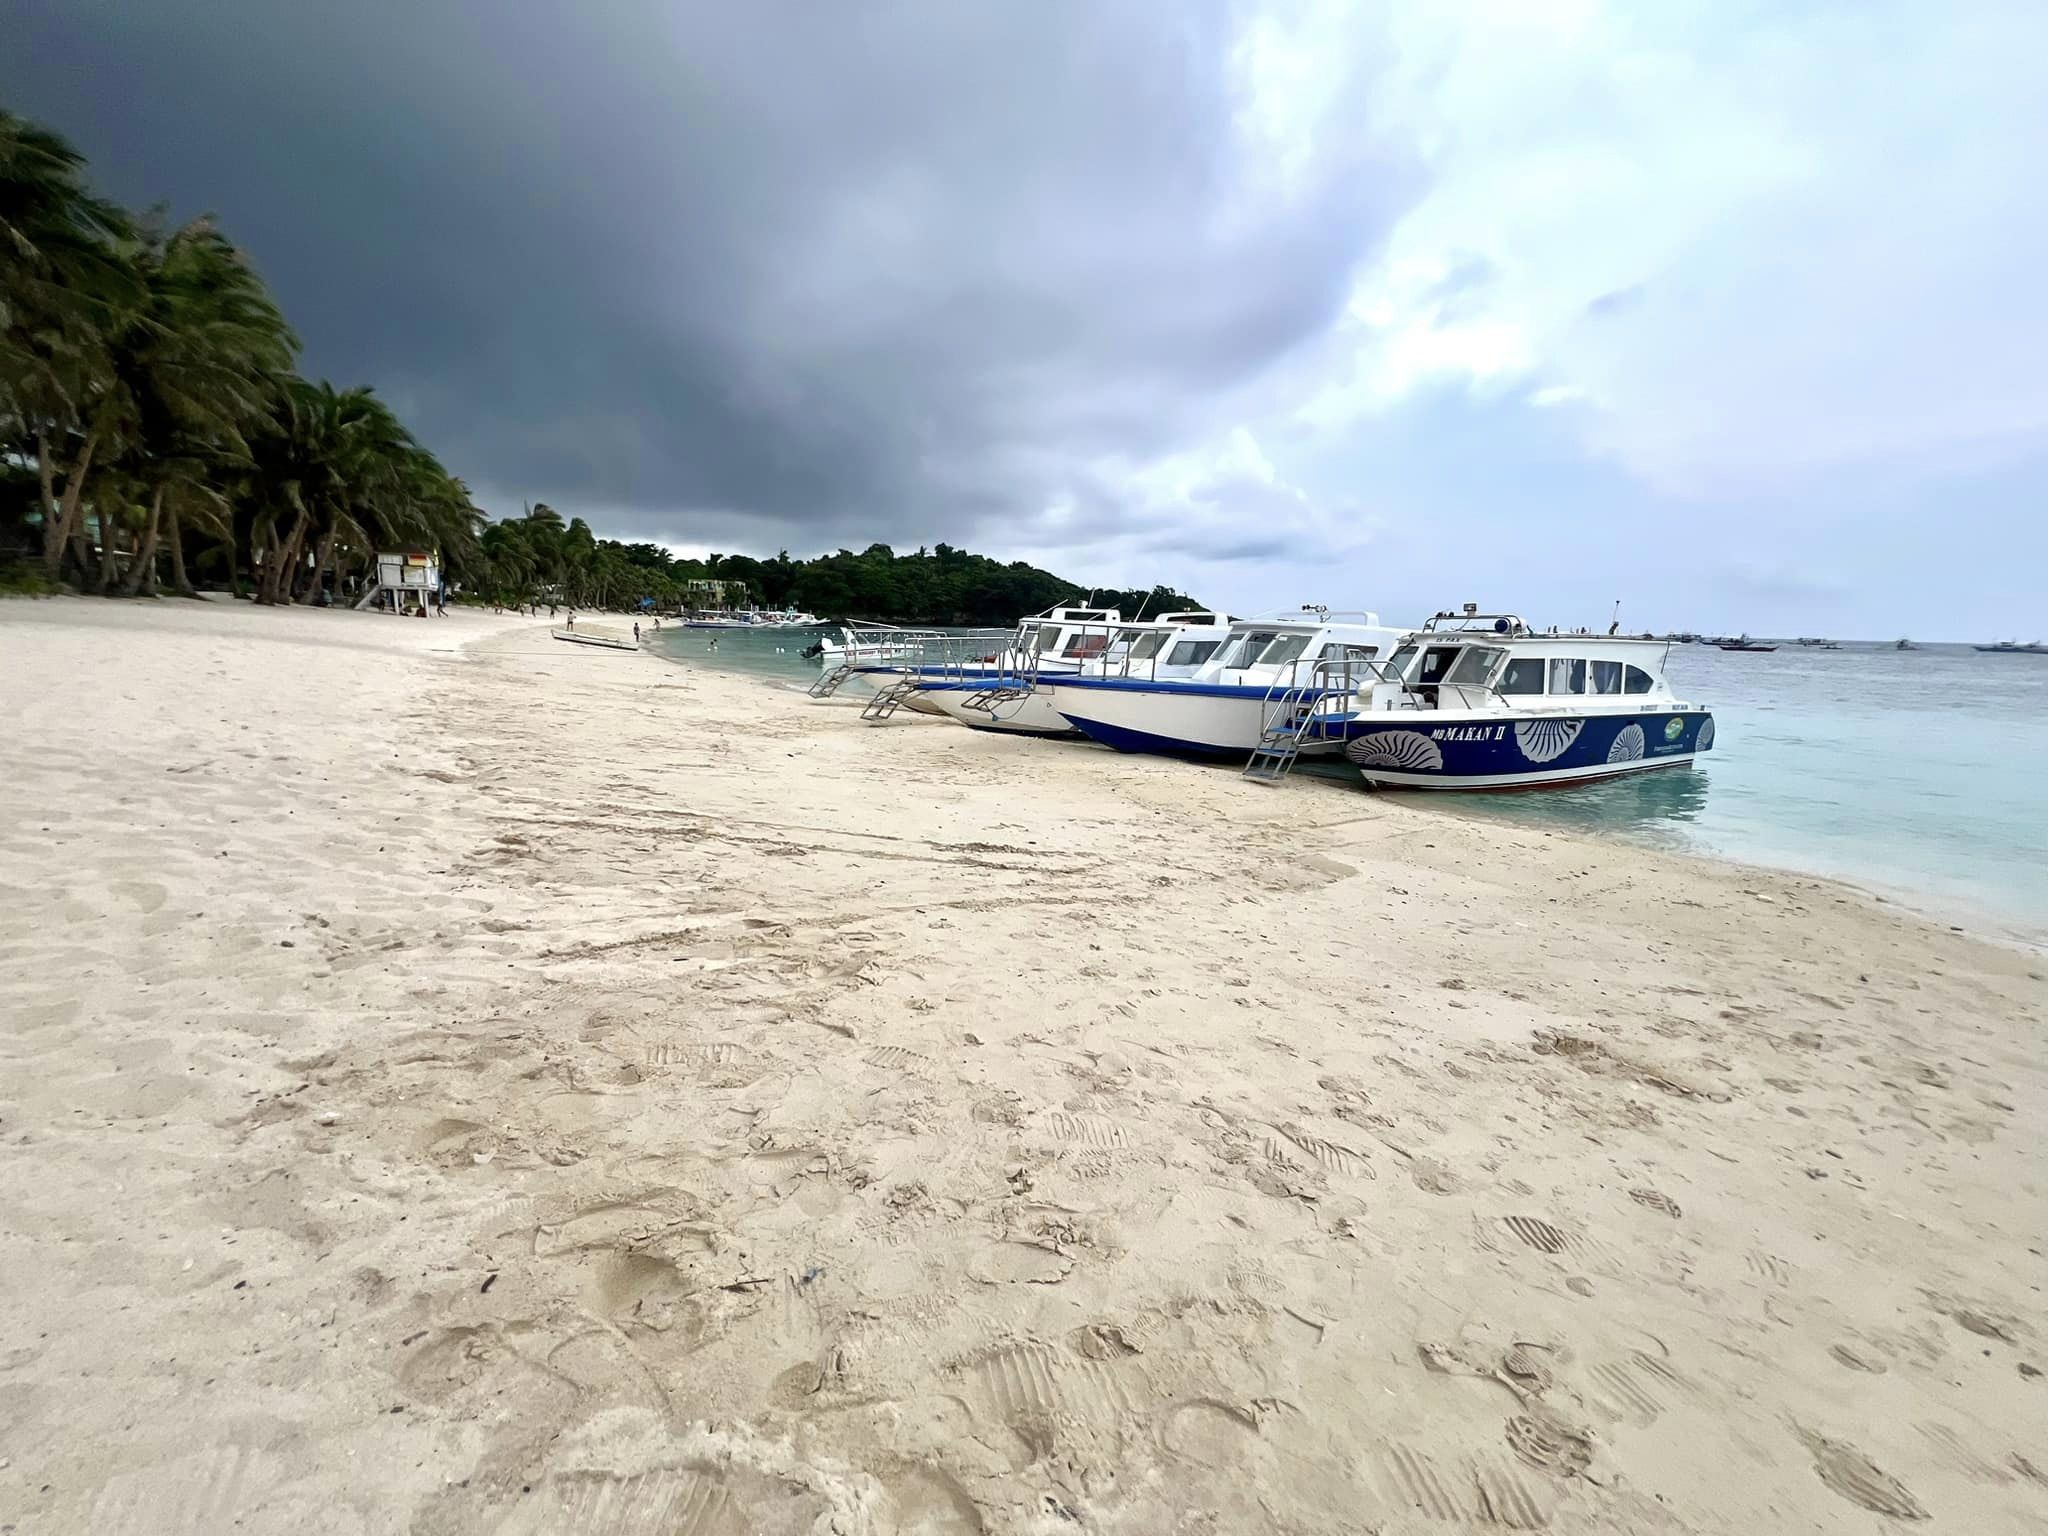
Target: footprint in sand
<point x="1331" y="1156"/>
<point x="1655" y="1200"/>
<point x="1053" y="1400"/>
<point x="1460" y="1491"/>
<point x="1637" y="1387"/>
<point x="1012" y="1263"/>
<point x="667" y="1501"/>
<point x="195" y="1496"/>
<point x="894" y="1058"/>
<point x="1860" y="1480"/>
<point x="1088" y="1131"/>
<point x="1549" y="1444"/>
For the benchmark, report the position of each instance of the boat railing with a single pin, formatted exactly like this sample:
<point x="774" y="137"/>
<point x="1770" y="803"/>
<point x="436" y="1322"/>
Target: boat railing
<point x="1469" y="621"/>
<point x="890" y="648"/>
<point x="1310" y="683"/>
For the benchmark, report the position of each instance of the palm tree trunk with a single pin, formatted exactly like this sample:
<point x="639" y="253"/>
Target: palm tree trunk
<point x="110" y="555"/>
<point x="277" y="569"/>
<point x="58" y="532"/>
<point x="311" y="589"/>
<point x="175" y="537"/>
<point x="144" y="569"/>
<point x="48" y="482"/>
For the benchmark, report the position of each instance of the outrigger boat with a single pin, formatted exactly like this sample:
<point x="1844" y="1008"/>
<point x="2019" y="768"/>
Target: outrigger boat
<point x="595" y="637"/>
<point x="1307" y="666"/>
<point x="1027" y="702"/>
<point x="1481" y="701"/>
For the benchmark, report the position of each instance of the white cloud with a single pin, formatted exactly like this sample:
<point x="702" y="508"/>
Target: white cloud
<point x="1747" y="246"/>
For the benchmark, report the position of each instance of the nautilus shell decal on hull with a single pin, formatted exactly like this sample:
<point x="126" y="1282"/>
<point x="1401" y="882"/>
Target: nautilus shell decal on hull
<point x="1408" y="751"/>
<point x="1628" y="745"/>
<point x="1542" y="740"/>
<point x="1706" y="741"/>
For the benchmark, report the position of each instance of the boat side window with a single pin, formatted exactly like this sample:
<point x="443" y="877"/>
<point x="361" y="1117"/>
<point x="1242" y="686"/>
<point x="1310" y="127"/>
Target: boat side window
<point x="1635" y="680"/>
<point x="1524" y="675"/>
<point x="1248" y="649"/>
<point x="1148" y="645"/>
<point x="1606" y="676"/>
<point x="1475" y="666"/>
<point x="1047" y="638"/>
<point x="1191" y="653"/>
<point x="1086" y="645"/>
<point x="1567" y="674"/>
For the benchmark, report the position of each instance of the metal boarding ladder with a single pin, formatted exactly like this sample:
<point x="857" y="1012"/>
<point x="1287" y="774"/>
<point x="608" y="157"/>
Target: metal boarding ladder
<point x="1018" y="683"/>
<point x="987" y="699"/>
<point x="1294" y="716"/>
<point x="890" y="699"/>
<point x="1287" y="725"/>
<point x="827" y="683"/>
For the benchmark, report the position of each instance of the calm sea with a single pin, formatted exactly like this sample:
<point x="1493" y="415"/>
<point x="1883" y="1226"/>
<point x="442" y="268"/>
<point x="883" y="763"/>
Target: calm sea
<point x="1919" y="774"/>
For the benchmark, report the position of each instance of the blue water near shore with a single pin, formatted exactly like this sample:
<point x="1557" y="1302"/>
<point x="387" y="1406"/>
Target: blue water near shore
<point x="1922" y="775"/>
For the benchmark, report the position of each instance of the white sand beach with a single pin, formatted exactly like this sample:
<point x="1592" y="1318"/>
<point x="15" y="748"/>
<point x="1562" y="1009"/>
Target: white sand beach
<point x="452" y="1082"/>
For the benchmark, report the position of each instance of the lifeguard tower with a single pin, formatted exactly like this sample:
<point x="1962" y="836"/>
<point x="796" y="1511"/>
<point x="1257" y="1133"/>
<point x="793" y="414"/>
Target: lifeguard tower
<point x="406" y="583"/>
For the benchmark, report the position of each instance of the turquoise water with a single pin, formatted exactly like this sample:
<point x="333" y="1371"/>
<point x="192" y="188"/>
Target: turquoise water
<point x="1921" y="774"/>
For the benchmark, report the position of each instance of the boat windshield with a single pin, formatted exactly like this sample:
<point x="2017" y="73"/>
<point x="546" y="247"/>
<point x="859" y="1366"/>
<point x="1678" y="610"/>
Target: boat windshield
<point x="1148" y="645"/>
<point x="1284" y="650"/>
<point x="1191" y="653"/>
<point x="1243" y="652"/>
<point x="1474" y="667"/>
<point x="1397" y="664"/>
<point x="1048" y="638"/>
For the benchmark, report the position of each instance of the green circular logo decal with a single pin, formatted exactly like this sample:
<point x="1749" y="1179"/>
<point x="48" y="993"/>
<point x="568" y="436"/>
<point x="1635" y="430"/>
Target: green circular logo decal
<point x="1674" y="728"/>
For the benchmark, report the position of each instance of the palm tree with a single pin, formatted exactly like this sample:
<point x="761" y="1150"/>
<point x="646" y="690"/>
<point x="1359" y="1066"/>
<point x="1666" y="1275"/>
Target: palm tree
<point x="64" y="281"/>
<point x="196" y="371"/>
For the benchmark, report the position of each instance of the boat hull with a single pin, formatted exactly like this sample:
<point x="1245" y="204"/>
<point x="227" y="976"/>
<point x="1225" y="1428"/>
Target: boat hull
<point x="1193" y="720"/>
<point x="1489" y="752"/>
<point x="1030" y="714"/>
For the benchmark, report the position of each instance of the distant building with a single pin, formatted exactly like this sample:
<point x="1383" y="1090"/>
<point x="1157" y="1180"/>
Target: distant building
<point x="708" y="595"/>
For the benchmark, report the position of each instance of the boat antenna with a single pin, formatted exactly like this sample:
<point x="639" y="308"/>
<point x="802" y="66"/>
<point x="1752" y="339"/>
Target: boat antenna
<point x="1614" y="624"/>
<point x="1147" y="603"/>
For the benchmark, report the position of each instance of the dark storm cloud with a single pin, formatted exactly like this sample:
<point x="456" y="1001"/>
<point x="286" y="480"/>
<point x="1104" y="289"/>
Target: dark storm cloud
<point x="763" y="274"/>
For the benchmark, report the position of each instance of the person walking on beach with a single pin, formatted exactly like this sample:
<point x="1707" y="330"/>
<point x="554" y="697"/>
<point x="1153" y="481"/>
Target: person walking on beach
<point x="636" y="634"/>
<point x="572" y="621"/>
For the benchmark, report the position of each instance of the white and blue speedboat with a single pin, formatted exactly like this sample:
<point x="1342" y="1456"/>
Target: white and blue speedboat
<point x="1307" y="666"/>
<point x="1481" y="701"/>
<point x="1026" y="701"/>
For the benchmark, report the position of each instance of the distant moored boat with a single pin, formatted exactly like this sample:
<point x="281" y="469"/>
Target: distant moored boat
<point x="2014" y="648"/>
<point x="1744" y="643"/>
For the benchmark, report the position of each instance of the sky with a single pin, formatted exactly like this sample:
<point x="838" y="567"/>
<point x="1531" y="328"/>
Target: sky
<point x="1733" y="312"/>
